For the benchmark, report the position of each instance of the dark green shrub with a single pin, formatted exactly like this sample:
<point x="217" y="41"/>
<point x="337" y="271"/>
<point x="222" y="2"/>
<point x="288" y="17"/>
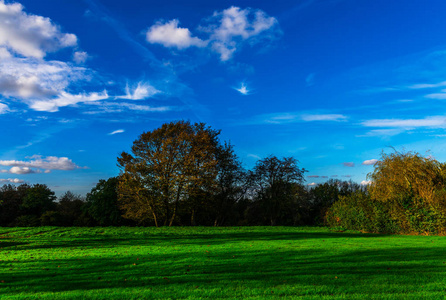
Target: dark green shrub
<point x="26" y="221"/>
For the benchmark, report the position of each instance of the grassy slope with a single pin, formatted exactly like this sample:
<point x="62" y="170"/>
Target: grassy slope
<point x="217" y="263"/>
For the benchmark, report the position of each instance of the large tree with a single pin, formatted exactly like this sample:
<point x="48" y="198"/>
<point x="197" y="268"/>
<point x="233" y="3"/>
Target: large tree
<point x="166" y="166"/>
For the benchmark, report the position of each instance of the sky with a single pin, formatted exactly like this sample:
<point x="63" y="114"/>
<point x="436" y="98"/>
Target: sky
<point x="332" y="83"/>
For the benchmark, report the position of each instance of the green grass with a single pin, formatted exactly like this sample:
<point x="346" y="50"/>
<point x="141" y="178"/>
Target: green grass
<point x="218" y="263"/>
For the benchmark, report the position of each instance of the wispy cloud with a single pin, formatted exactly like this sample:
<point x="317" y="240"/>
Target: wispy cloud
<point x="427" y="85"/>
<point x="141" y="91"/>
<point x="295" y="117"/>
<point x="243" y="89"/>
<point x="437" y="96"/>
<point x="428" y="122"/>
<point x="310" y="79"/>
<point x="118" y="107"/>
<point x="327" y="117"/>
<point x="348" y="164"/>
<point x="116" y="131"/>
<point x="386" y="133"/>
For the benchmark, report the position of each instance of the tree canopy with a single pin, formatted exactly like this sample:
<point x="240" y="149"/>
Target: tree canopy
<point x="165" y="167"/>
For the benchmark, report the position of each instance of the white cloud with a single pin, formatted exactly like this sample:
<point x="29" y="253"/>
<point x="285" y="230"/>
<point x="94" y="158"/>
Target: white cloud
<point x="366" y="182"/>
<point x="312" y="184"/>
<point x="25" y="40"/>
<point x="370" y="162"/>
<point x="12" y="180"/>
<point x="348" y="164"/>
<point x="234" y="25"/>
<point x="327" y="117"/>
<point x="40" y="162"/>
<point x="30" y="35"/>
<point x="80" y="57"/>
<point x="430" y="122"/>
<point x="30" y="78"/>
<point x="66" y="99"/>
<point x="117" y="131"/>
<point x="21" y="170"/>
<point x="243" y="89"/>
<point x="227" y="31"/>
<point x="170" y="35"/>
<point x="42" y="85"/>
<point x="140" y="92"/>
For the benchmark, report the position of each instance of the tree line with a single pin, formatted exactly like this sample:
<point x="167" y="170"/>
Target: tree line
<point x="182" y="174"/>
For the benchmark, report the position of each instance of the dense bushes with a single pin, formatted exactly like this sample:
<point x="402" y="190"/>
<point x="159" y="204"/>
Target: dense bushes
<point x="407" y="195"/>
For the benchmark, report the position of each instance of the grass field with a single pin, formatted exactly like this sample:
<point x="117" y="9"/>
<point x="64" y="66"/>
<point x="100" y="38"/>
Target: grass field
<point x="218" y="263"/>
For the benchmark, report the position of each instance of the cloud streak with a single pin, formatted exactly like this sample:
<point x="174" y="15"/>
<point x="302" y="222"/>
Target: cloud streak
<point x="428" y="122"/>
<point x="294" y="117"/>
<point x="116" y="132"/>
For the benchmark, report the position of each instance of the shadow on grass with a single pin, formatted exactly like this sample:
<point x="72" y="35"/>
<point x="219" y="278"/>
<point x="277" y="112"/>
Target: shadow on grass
<point x="40" y="240"/>
<point x="359" y="271"/>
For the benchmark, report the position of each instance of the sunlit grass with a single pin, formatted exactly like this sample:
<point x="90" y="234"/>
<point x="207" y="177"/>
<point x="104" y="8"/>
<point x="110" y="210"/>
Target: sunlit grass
<point x="217" y="263"/>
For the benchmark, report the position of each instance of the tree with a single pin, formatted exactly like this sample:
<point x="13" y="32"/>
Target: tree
<point x="11" y="199"/>
<point x="414" y="190"/>
<point x="324" y="195"/>
<point x="277" y="182"/>
<point x="70" y="208"/>
<point x="398" y="176"/>
<point x="167" y="166"/>
<point x="102" y="203"/>
<point x="231" y="186"/>
<point x="39" y="198"/>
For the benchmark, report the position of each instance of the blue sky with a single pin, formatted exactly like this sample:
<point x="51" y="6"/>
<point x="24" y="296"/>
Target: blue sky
<point x="332" y="83"/>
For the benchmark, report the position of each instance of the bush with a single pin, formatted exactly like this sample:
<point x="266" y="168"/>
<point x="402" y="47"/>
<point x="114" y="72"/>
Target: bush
<point x="26" y="221"/>
<point x="358" y="211"/>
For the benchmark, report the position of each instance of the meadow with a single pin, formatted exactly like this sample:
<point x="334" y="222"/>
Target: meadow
<point x="218" y="263"/>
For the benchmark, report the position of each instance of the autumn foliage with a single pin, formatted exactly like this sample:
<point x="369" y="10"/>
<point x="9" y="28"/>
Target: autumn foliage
<point x="407" y="195"/>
